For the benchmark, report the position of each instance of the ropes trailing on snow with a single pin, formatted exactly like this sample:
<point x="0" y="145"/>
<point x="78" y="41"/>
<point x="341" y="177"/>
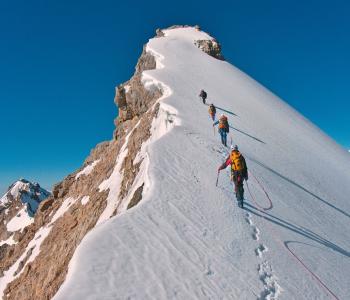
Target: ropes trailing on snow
<point x="263" y="189"/>
<point x="285" y="244"/>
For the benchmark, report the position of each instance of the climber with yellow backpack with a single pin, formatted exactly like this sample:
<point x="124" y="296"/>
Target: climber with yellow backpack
<point x="224" y="128"/>
<point x="239" y="172"/>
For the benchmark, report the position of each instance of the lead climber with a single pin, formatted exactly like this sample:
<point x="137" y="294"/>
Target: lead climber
<point x="239" y="172"/>
<point x="212" y="111"/>
<point x="203" y="95"/>
<point x="223" y="128"/>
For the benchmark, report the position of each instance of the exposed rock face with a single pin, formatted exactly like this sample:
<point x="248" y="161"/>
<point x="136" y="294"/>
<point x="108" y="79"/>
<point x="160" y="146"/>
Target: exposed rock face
<point x="211" y="47"/>
<point x="78" y="202"/>
<point x="131" y="97"/>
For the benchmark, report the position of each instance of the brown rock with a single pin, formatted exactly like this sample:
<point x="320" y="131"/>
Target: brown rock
<point x="137" y="197"/>
<point x="159" y="33"/>
<point x="44" y="205"/>
<point x="42" y="278"/>
<point x="211" y="47"/>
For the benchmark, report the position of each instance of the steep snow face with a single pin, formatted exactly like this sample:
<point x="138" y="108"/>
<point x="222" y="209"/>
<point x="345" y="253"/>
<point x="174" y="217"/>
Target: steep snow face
<point x="188" y="239"/>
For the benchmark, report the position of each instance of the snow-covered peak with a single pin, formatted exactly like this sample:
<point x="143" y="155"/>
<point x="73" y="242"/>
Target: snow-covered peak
<point x="187" y="33"/>
<point x="188" y="239"/>
<point x="164" y="224"/>
<point x="28" y="193"/>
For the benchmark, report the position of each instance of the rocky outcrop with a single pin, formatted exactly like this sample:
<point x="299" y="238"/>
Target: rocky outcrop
<point x="211" y="47"/>
<point x="62" y="221"/>
<point x="131" y="97"/>
<point x="159" y="32"/>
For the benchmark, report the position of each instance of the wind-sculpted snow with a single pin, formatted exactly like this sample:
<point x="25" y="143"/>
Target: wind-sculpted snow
<point x="188" y="239"/>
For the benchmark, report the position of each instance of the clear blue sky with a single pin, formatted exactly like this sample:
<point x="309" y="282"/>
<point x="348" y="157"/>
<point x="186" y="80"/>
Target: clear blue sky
<point x="60" y="61"/>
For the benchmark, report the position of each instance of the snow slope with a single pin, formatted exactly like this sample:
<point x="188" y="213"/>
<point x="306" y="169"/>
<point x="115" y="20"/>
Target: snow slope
<point x="188" y="239"/>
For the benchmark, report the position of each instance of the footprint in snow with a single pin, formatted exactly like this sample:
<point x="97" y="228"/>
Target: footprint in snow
<point x="271" y="288"/>
<point x="248" y="220"/>
<point x="260" y="250"/>
<point x="255" y="234"/>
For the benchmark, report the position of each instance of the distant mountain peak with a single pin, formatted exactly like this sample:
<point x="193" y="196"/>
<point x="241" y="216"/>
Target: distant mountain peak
<point x="28" y="193"/>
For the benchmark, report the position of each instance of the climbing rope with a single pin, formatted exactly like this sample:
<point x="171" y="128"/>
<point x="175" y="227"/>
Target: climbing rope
<point x="263" y="189"/>
<point x="285" y="245"/>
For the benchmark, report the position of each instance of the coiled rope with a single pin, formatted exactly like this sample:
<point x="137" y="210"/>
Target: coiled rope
<point x="284" y="244"/>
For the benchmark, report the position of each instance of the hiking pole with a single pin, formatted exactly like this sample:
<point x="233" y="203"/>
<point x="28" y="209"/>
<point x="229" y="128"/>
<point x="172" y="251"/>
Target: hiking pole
<point x="214" y="130"/>
<point x="217" y="179"/>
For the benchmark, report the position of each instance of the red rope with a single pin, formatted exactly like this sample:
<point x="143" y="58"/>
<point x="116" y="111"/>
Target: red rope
<point x="266" y="194"/>
<point x="262" y="209"/>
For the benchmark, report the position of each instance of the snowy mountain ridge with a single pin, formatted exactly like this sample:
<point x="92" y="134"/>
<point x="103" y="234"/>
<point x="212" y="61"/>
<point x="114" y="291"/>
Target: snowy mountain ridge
<point x="29" y="193"/>
<point x="22" y="200"/>
<point x="17" y="209"/>
<point x="150" y="222"/>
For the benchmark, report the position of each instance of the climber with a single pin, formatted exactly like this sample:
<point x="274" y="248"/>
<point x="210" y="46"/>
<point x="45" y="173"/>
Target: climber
<point x="212" y="111"/>
<point x="223" y="128"/>
<point x="239" y="172"/>
<point x="203" y="95"/>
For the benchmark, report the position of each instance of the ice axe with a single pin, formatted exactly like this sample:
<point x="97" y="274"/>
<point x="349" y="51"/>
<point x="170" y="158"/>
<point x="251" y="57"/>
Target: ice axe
<point x="217" y="178"/>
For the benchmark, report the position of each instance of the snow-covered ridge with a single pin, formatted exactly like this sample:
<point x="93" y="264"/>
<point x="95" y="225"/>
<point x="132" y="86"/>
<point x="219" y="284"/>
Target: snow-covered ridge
<point x="188" y="239"/>
<point x="164" y="230"/>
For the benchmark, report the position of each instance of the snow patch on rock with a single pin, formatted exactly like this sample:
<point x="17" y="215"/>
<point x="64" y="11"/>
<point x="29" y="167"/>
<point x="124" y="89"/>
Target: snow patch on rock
<point x="88" y="169"/>
<point x="10" y="241"/>
<point x="85" y="200"/>
<point x="66" y="204"/>
<point x="19" y="221"/>
<point x="114" y="181"/>
<point x="33" y="248"/>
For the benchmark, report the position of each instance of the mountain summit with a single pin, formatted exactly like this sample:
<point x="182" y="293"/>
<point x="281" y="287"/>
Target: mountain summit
<point x="17" y="210"/>
<point x="28" y="193"/>
<point x="143" y="217"/>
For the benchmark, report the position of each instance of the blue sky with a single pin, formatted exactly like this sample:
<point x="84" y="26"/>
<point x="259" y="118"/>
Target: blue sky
<point x="60" y="61"/>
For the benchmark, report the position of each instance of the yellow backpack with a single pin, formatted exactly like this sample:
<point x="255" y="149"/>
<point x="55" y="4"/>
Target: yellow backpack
<point x="237" y="163"/>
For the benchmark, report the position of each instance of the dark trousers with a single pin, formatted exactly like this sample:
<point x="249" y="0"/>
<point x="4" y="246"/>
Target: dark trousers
<point x="237" y="178"/>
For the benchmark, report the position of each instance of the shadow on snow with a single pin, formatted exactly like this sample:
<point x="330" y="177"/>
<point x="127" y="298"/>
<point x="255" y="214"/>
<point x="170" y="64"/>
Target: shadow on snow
<point x="297" y="229"/>
<point x="253" y="137"/>
<point x="300" y="187"/>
